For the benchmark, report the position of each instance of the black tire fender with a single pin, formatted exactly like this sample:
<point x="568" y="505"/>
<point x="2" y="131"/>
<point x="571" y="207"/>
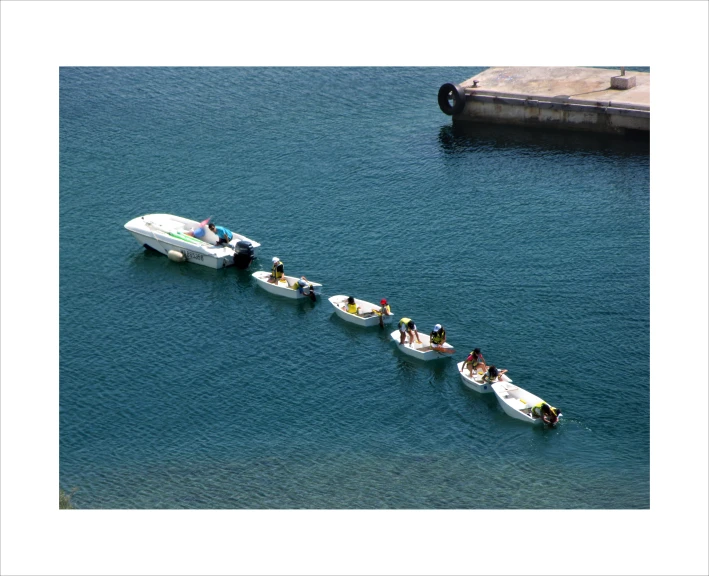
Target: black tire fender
<point x="457" y="93"/>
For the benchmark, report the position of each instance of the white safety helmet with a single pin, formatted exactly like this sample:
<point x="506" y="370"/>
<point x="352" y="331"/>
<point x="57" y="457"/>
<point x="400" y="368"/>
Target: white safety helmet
<point x="274" y="259"/>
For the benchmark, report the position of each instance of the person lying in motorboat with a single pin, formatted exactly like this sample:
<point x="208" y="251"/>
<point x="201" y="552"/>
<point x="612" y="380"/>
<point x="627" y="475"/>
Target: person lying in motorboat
<point x="547" y="413"/>
<point x="224" y="234"/>
<point x="438" y="336"/>
<point x="276" y="270"/>
<point x="351" y="306"/>
<point x="385" y="310"/>
<point x="493" y="374"/>
<point x="474" y="361"/>
<point x="407" y="326"/>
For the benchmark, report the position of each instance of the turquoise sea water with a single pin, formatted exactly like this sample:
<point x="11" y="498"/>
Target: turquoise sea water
<point x="186" y="387"/>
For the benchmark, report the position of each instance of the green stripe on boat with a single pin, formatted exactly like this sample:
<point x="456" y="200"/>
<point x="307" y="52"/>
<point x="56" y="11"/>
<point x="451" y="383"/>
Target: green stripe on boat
<point x="197" y="240"/>
<point x="181" y="236"/>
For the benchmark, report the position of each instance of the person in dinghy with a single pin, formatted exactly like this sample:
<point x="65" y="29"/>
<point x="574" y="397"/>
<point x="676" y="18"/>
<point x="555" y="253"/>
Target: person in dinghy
<point x="438" y="337"/>
<point x="276" y="270"/>
<point x="351" y="306"/>
<point x="494" y="374"/>
<point x="385" y="310"/>
<point x="474" y="361"/>
<point x="301" y="284"/>
<point x="407" y="326"/>
<point x="547" y="413"/>
<point x="224" y="234"/>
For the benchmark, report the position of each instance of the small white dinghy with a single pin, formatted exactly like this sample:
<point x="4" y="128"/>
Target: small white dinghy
<point x="477" y="383"/>
<point x="517" y="402"/>
<point x="366" y="317"/>
<point x="422" y="350"/>
<point x="171" y="235"/>
<point x="284" y="287"/>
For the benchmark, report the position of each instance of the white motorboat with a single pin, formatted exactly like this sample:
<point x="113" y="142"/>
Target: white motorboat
<point x="366" y="316"/>
<point x="517" y="402"/>
<point x="284" y="287"/>
<point x="174" y="236"/>
<point x="422" y="349"/>
<point x="477" y="383"/>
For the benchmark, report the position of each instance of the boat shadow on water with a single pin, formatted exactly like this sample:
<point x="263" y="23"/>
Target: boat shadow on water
<point x="409" y="366"/>
<point x="283" y="306"/>
<point x="353" y="332"/>
<point x="242" y="275"/>
<point x="151" y="260"/>
<point x="465" y="137"/>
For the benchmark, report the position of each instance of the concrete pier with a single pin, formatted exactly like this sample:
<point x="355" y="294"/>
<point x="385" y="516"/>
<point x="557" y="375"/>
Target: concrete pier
<point x="590" y="99"/>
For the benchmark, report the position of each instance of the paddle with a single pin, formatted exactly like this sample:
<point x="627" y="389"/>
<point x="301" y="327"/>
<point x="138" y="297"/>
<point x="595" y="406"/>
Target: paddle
<point x="443" y="350"/>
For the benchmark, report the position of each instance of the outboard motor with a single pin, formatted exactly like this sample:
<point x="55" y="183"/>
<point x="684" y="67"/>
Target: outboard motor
<point x="243" y="254"/>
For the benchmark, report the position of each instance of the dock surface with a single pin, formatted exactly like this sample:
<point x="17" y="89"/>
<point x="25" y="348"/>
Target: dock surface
<point x="562" y="97"/>
<point x="570" y="84"/>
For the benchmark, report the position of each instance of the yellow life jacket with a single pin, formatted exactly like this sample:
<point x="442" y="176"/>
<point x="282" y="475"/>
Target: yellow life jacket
<point x="437" y="337"/>
<point x="537" y="409"/>
<point x="274" y="269"/>
<point x="404" y="321"/>
<point x="352" y="308"/>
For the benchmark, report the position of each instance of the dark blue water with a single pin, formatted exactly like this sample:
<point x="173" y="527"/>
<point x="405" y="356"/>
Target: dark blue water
<point x="186" y="387"/>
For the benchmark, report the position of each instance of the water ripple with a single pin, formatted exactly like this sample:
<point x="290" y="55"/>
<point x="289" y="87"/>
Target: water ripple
<point x="185" y="387"/>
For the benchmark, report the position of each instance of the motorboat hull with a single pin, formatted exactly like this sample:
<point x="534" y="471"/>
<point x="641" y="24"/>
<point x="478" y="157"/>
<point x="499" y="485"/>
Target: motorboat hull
<point x="165" y="232"/>
<point x="517" y="402"/>
<point x="366" y="318"/>
<point x="284" y="288"/>
<point x="422" y="350"/>
<point x="476" y="383"/>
